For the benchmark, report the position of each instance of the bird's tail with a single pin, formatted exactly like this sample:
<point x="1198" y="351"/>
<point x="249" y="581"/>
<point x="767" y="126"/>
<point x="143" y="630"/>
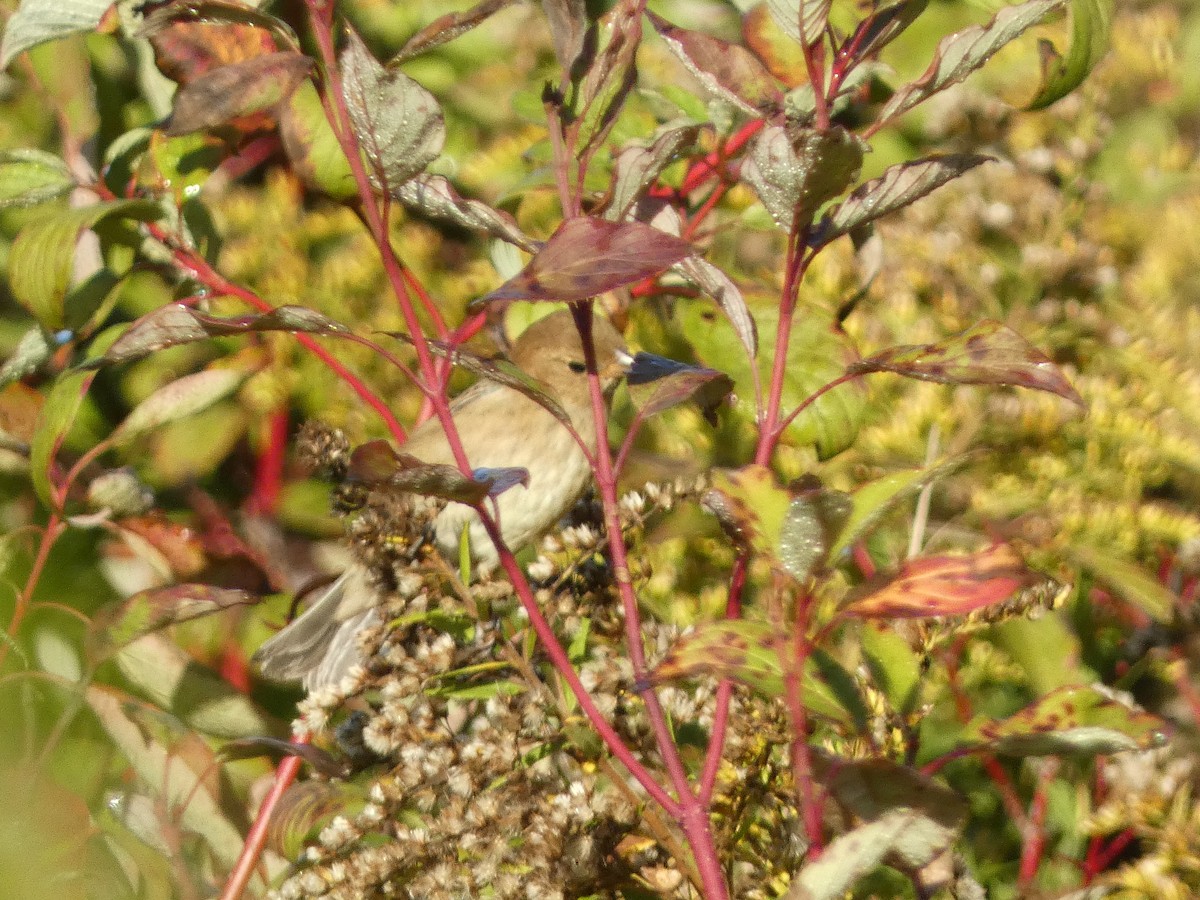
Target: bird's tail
<point x="320" y="646"/>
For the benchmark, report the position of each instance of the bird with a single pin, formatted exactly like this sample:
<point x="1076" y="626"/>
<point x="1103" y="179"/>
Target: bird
<point x="499" y="427"/>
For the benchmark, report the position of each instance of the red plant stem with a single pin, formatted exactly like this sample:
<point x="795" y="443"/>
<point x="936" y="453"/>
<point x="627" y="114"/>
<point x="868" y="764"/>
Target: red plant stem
<point x="716" y="739"/>
<point x="50" y="535"/>
<point x="697" y="219"/>
<point x="256" y="838"/>
<point x="268" y="477"/>
<point x="793" y="683"/>
<point x="1034" y="843"/>
<point x="1104" y="855"/>
<point x="768" y="426"/>
<point x="814" y="61"/>
<point x="711" y="164"/>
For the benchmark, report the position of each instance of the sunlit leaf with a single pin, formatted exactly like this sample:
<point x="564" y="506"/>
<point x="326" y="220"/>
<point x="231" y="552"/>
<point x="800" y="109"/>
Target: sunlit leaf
<point x="637" y="167"/>
<point x="42" y="257"/>
<point x="398" y="123"/>
<point x="1128" y="581"/>
<point x="434" y="196"/>
<point x="587" y="256"/>
<point x="311" y="145"/>
<point x="175" y="324"/>
<point x="895" y="668"/>
<point x="29" y="177"/>
<point x="1091" y="28"/>
<point x="228" y="93"/>
<point x="726" y="70"/>
<point x="849" y="857"/>
<point x="934" y="586"/>
<point x="57" y="416"/>
<point x="152" y="610"/>
<point x="38" y="21"/>
<point x="882" y="27"/>
<point x="897" y="187"/>
<point x="376" y="463"/>
<point x="961" y="53"/>
<point x="803" y="21"/>
<point x="781" y="54"/>
<point x="986" y="353"/>
<point x="183" y="397"/>
<point x="447" y="27"/>
<point x="795" y="171"/>
<point x="227" y="45"/>
<point x="1072" y="720"/>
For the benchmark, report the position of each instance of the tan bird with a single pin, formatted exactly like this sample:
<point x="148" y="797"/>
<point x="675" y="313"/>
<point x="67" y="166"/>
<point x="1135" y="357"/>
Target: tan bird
<point x="499" y="427"/>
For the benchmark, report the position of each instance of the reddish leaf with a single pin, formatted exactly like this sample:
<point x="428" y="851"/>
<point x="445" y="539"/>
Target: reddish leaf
<point x="987" y="353"/>
<point x="1070" y="720"/>
<point x="727" y="70"/>
<point x="223" y="13"/>
<point x="882" y="27"/>
<point x="177" y="545"/>
<point x="128" y="620"/>
<point x="184" y="51"/>
<point x="676" y="383"/>
<point x="779" y="53"/>
<point x="237" y="94"/>
<point x="447" y="27"/>
<point x="934" y="586"/>
<point x="588" y="256"/>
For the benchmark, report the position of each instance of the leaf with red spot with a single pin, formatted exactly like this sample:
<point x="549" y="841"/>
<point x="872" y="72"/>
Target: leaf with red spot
<point x="726" y="70"/>
<point x="587" y="256"/>
<point x="183" y="51"/>
<point x="987" y="353"/>
<point x="934" y="586"/>
<point x="240" y="94"/>
<point x="1070" y="720"/>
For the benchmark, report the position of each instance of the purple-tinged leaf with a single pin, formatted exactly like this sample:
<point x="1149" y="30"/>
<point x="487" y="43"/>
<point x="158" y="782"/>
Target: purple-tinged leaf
<point x="568" y="25"/>
<point x="961" y="53"/>
<point x="610" y="77"/>
<point x="127" y="620"/>
<point x="897" y="187"/>
<point x="434" y="196"/>
<point x="986" y="353"/>
<point x="782" y="56"/>
<point x="175" y="324"/>
<point x="446" y="28"/>
<point x="398" y="123"/>
<point x="1070" y="720"/>
<point x="636" y="168"/>
<point x="226" y="93"/>
<point x="588" y="256"/>
<point x="220" y="12"/>
<point x="376" y="463"/>
<point x="179" y="399"/>
<point x="1091" y="27"/>
<point x="726" y="70"/>
<point x="675" y="383"/>
<point x="795" y="171"/>
<point x="803" y="21"/>
<point x="936" y="586"/>
<point x="882" y="27"/>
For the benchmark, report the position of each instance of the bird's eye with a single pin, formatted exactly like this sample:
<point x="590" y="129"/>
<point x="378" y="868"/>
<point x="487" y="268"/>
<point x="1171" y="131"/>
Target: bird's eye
<point x="577" y="367"/>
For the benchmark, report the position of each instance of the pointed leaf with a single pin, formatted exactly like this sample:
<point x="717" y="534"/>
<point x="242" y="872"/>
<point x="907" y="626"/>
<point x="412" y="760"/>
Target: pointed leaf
<point x="183" y="397"/>
<point x="636" y="168"/>
<point x="850" y="857"/>
<point x="446" y="28"/>
<point x="935" y="586"/>
<point x="1071" y="720"/>
<point x="29" y="177"/>
<point x="588" y="256"/>
<point x="803" y="21"/>
<point x="397" y="122"/>
<point x="987" y="353"/>
<point x="57" y="415"/>
<point x="726" y="70"/>
<point x="882" y="27"/>
<point x="721" y="288"/>
<point x="568" y="25"/>
<point x="434" y="196"/>
<point x="42" y="258"/>
<point x="1091" y="27"/>
<point x="960" y="54"/>
<point x="1128" y="581"/>
<point x="897" y="187"/>
<point x="795" y="172"/>
<point x="376" y="463"/>
<point x="152" y="610"/>
<point x="175" y="324"/>
<point x="311" y="145"/>
<point x="38" y="21"/>
<point x="780" y="53"/>
<point x="676" y="383"/>
<point x="237" y="93"/>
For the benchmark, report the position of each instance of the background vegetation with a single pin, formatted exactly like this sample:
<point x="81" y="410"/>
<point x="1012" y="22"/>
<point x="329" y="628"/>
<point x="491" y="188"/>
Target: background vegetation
<point x="134" y="749"/>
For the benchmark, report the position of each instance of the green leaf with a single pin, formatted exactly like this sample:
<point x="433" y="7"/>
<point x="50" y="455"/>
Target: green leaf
<point x="148" y="611"/>
<point x="57" y="416"/>
<point x="397" y="122"/>
<point x="38" y="21"/>
<point x="960" y="54"/>
<point x="1091" y="28"/>
<point x="1128" y="581"/>
<point x="183" y="397"/>
<point x="31" y="351"/>
<point x="42" y="256"/>
<point x="894" y="666"/>
<point x="1072" y="720"/>
<point x="795" y="171"/>
<point x="818" y="353"/>
<point x="29" y="177"/>
<point x="312" y="146"/>
<point x="803" y="21"/>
